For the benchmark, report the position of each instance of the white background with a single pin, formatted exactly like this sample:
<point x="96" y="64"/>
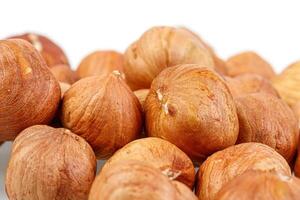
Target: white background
<point x="271" y="28"/>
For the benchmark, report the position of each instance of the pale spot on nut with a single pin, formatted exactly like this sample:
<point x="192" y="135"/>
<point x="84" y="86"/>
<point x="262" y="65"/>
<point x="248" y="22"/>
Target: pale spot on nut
<point x="118" y="74"/>
<point x="27" y="70"/>
<point x="284" y="177"/>
<point x="34" y="39"/>
<point x="171" y="174"/>
<point x="159" y="95"/>
<point x="165" y="108"/>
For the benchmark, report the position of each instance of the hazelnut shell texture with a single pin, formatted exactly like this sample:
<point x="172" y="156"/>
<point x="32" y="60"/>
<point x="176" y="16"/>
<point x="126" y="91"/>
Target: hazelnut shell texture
<point x="183" y="192"/>
<point x="104" y="111"/>
<point x="249" y="62"/>
<point x="160" y="154"/>
<point x="223" y="166"/>
<point x="63" y="73"/>
<point x="48" y="163"/>
<point x="288" y="84"/>
<point x="132" y="180"/>
<point x="159" y="48"/>
<point x="100" y="63"/>
<point x="250" y="83"/>
<point x="191" y="107"/>
<point x="29" y="92"/>
<point x="50" y="51"/>
<point x="269" y="120"/>
<point x="257" y="185"/>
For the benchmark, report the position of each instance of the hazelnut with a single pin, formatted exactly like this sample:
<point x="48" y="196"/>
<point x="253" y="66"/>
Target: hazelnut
<point x="220" y="65"/>
<point x="63" y="73"/>
<point x="269" y="120"/>
<point x="191" y="107"/>
<point x="50" y="51"/>
<point x="161" y="154"/>
<point x="223" y="166"/>
<point x="288" y="84"/>
<point x="100" y="63"/>
<point x="255" y="185"/>
<point x="296" y="110"/>
<point x="29" y="93"/>
<point x="183" y="192"/>
<point x="249" y="62"/>
<point x="250" y="83"/>
<point x="63" y="88"/>
<point x="141" y="95"/>
<point x="48" y="163"/>
<point x="104" y="111"/>
<point x="132" y="180"/>
<point x="159" y="48"/>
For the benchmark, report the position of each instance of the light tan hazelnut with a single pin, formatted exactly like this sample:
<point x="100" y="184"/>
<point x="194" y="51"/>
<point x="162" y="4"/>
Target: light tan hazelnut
<point x="258" y="185"/>
<point x="269" y="120"/>
<point x="161" y="154"/>
<point x="288" y="84"/>
<point x="249" y="62"/>
<point x="63" y="73"/>
<point x="100" y="63"/>
<point x="48" y="163"/>
<point x="159" y="48"/>
<point x="104" y="111"/>
<point x="223" y="166"/>
<point x="250" y="83"/>
<point x="191" y="107"/>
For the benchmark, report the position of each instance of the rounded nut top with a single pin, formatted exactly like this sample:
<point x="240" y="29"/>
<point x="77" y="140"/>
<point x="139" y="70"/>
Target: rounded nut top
<point x="223" y="166"/>
<point x="257" y="185"/>
<point x="158" y="153"/>
<point x="249" y="62"/>
<point x="50" y="51"/>
<point x="159" y="48"/>
<point x="48" y="163"/>
<point x="100" y="63"/>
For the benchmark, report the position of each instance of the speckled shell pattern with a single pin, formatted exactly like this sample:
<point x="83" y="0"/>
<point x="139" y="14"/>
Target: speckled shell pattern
<point x="29" y="93"/>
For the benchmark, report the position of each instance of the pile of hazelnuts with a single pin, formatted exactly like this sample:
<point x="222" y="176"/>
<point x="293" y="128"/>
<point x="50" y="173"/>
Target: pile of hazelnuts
<point x="171" y="118"/>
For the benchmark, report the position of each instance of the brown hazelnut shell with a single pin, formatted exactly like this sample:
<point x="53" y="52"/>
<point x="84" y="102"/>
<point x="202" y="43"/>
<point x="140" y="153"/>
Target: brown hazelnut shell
<point x="288" y="84"/>
<point x="191" y="107"/>
<point x="104" y="111"/>
<point x="159" y="48"/>
<point x="51" y="52"/>
<point x="100" y="63"/>
<point x="183" y="192"/>
<point x="132" y="180"/>
<point x="223" y="166"/>
<point x="250" y="83"/>
<point x="29" y="92"/>
<point x="48" y="163"/>
<point x="63" y="73"/>
<point x="160" y="154"/>
<point x="266" y="119"/>
<point x="249" y="62"/>
<point x="258" y="185"/>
